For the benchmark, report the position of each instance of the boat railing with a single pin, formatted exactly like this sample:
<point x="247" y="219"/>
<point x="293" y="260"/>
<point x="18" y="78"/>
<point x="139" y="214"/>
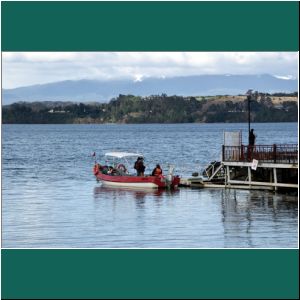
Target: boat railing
<point x="276" y="153"/>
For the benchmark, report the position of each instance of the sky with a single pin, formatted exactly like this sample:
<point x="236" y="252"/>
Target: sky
<point x="29" y="68"/>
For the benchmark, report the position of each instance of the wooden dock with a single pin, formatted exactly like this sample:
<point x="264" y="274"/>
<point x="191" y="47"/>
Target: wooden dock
<point x="268" y="167"/>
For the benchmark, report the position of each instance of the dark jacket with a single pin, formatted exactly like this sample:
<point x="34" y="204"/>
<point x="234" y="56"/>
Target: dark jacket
<point x="251" y="138"/>
<point x="139" y="166"/>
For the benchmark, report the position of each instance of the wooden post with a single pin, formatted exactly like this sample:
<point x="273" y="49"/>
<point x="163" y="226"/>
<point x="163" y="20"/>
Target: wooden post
<point x="275" y="178"/>
<point x="227" y="175"/>
<point x="249" y="176"/>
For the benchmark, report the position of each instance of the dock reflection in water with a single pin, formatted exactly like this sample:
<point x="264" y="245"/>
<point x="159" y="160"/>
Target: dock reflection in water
<point x="197" y="218"/>
<point x="251" y="214"/>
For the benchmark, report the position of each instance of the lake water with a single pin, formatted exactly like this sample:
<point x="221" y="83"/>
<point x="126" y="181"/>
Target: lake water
<point x="50" y="198"/>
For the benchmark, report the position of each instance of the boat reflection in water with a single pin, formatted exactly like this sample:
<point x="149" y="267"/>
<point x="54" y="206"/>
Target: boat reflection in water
<point x="119" y="193"/>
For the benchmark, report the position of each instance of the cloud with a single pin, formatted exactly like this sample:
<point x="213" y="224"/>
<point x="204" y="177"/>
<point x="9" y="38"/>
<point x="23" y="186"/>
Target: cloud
<point x="28" y="68"/>
<point x="288" y="77"/>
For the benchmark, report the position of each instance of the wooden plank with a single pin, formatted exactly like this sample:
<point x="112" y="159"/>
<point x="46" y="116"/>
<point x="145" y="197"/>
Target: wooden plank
<point x="243" y="187"/>
<point x="291" y="185"/>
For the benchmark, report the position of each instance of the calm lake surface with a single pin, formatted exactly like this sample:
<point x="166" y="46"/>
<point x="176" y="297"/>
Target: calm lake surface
<point x="50" y="198"/>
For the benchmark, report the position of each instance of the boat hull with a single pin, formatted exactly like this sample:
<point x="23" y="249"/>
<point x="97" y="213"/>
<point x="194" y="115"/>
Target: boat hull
<point x="137" y="181"/>
<point x="141" y="185"/>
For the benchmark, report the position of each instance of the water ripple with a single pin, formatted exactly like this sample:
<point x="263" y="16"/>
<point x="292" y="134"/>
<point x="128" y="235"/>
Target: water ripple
<point x="50" y="198"/>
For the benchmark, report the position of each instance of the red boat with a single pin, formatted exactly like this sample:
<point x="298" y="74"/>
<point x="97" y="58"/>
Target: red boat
<point x="119" y="176"/>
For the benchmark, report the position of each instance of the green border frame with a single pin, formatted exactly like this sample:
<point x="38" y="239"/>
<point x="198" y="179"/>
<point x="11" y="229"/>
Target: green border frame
<point x="150" y="26"/>
<point x="132" y="274"/>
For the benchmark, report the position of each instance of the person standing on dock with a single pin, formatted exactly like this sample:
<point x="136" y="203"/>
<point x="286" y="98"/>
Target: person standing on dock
<point x="252" y="138"/>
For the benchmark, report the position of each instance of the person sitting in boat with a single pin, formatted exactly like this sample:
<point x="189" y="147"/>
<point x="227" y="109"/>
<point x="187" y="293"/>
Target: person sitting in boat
<point x="121" y="170"/>
<point x="102" y="169"/>
<point x="157" y="171"/>
<point x="139" y="166"/>
<point x="111" y="171"/>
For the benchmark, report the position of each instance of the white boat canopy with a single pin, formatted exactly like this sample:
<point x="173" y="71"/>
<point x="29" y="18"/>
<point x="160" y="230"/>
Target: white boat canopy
<point x="123" y="154"/>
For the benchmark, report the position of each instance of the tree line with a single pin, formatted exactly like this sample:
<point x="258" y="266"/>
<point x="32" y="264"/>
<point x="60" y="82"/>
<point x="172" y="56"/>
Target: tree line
<point x="152" y="109"/>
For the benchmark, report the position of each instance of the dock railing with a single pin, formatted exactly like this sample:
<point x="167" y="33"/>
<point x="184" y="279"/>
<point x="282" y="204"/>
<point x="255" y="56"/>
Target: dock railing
<point x="277" y="153"/>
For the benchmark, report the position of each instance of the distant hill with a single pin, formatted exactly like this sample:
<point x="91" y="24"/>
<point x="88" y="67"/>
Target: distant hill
<point x="156" y="109"/>
<point x="102" y="91"/>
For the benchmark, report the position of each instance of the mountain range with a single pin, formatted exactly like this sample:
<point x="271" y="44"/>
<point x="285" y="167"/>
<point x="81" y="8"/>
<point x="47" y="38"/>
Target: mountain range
<point x="102" y="91"/>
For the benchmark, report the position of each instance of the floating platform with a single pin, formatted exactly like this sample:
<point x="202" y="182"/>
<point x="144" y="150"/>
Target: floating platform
<point x="191" y="182"/>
